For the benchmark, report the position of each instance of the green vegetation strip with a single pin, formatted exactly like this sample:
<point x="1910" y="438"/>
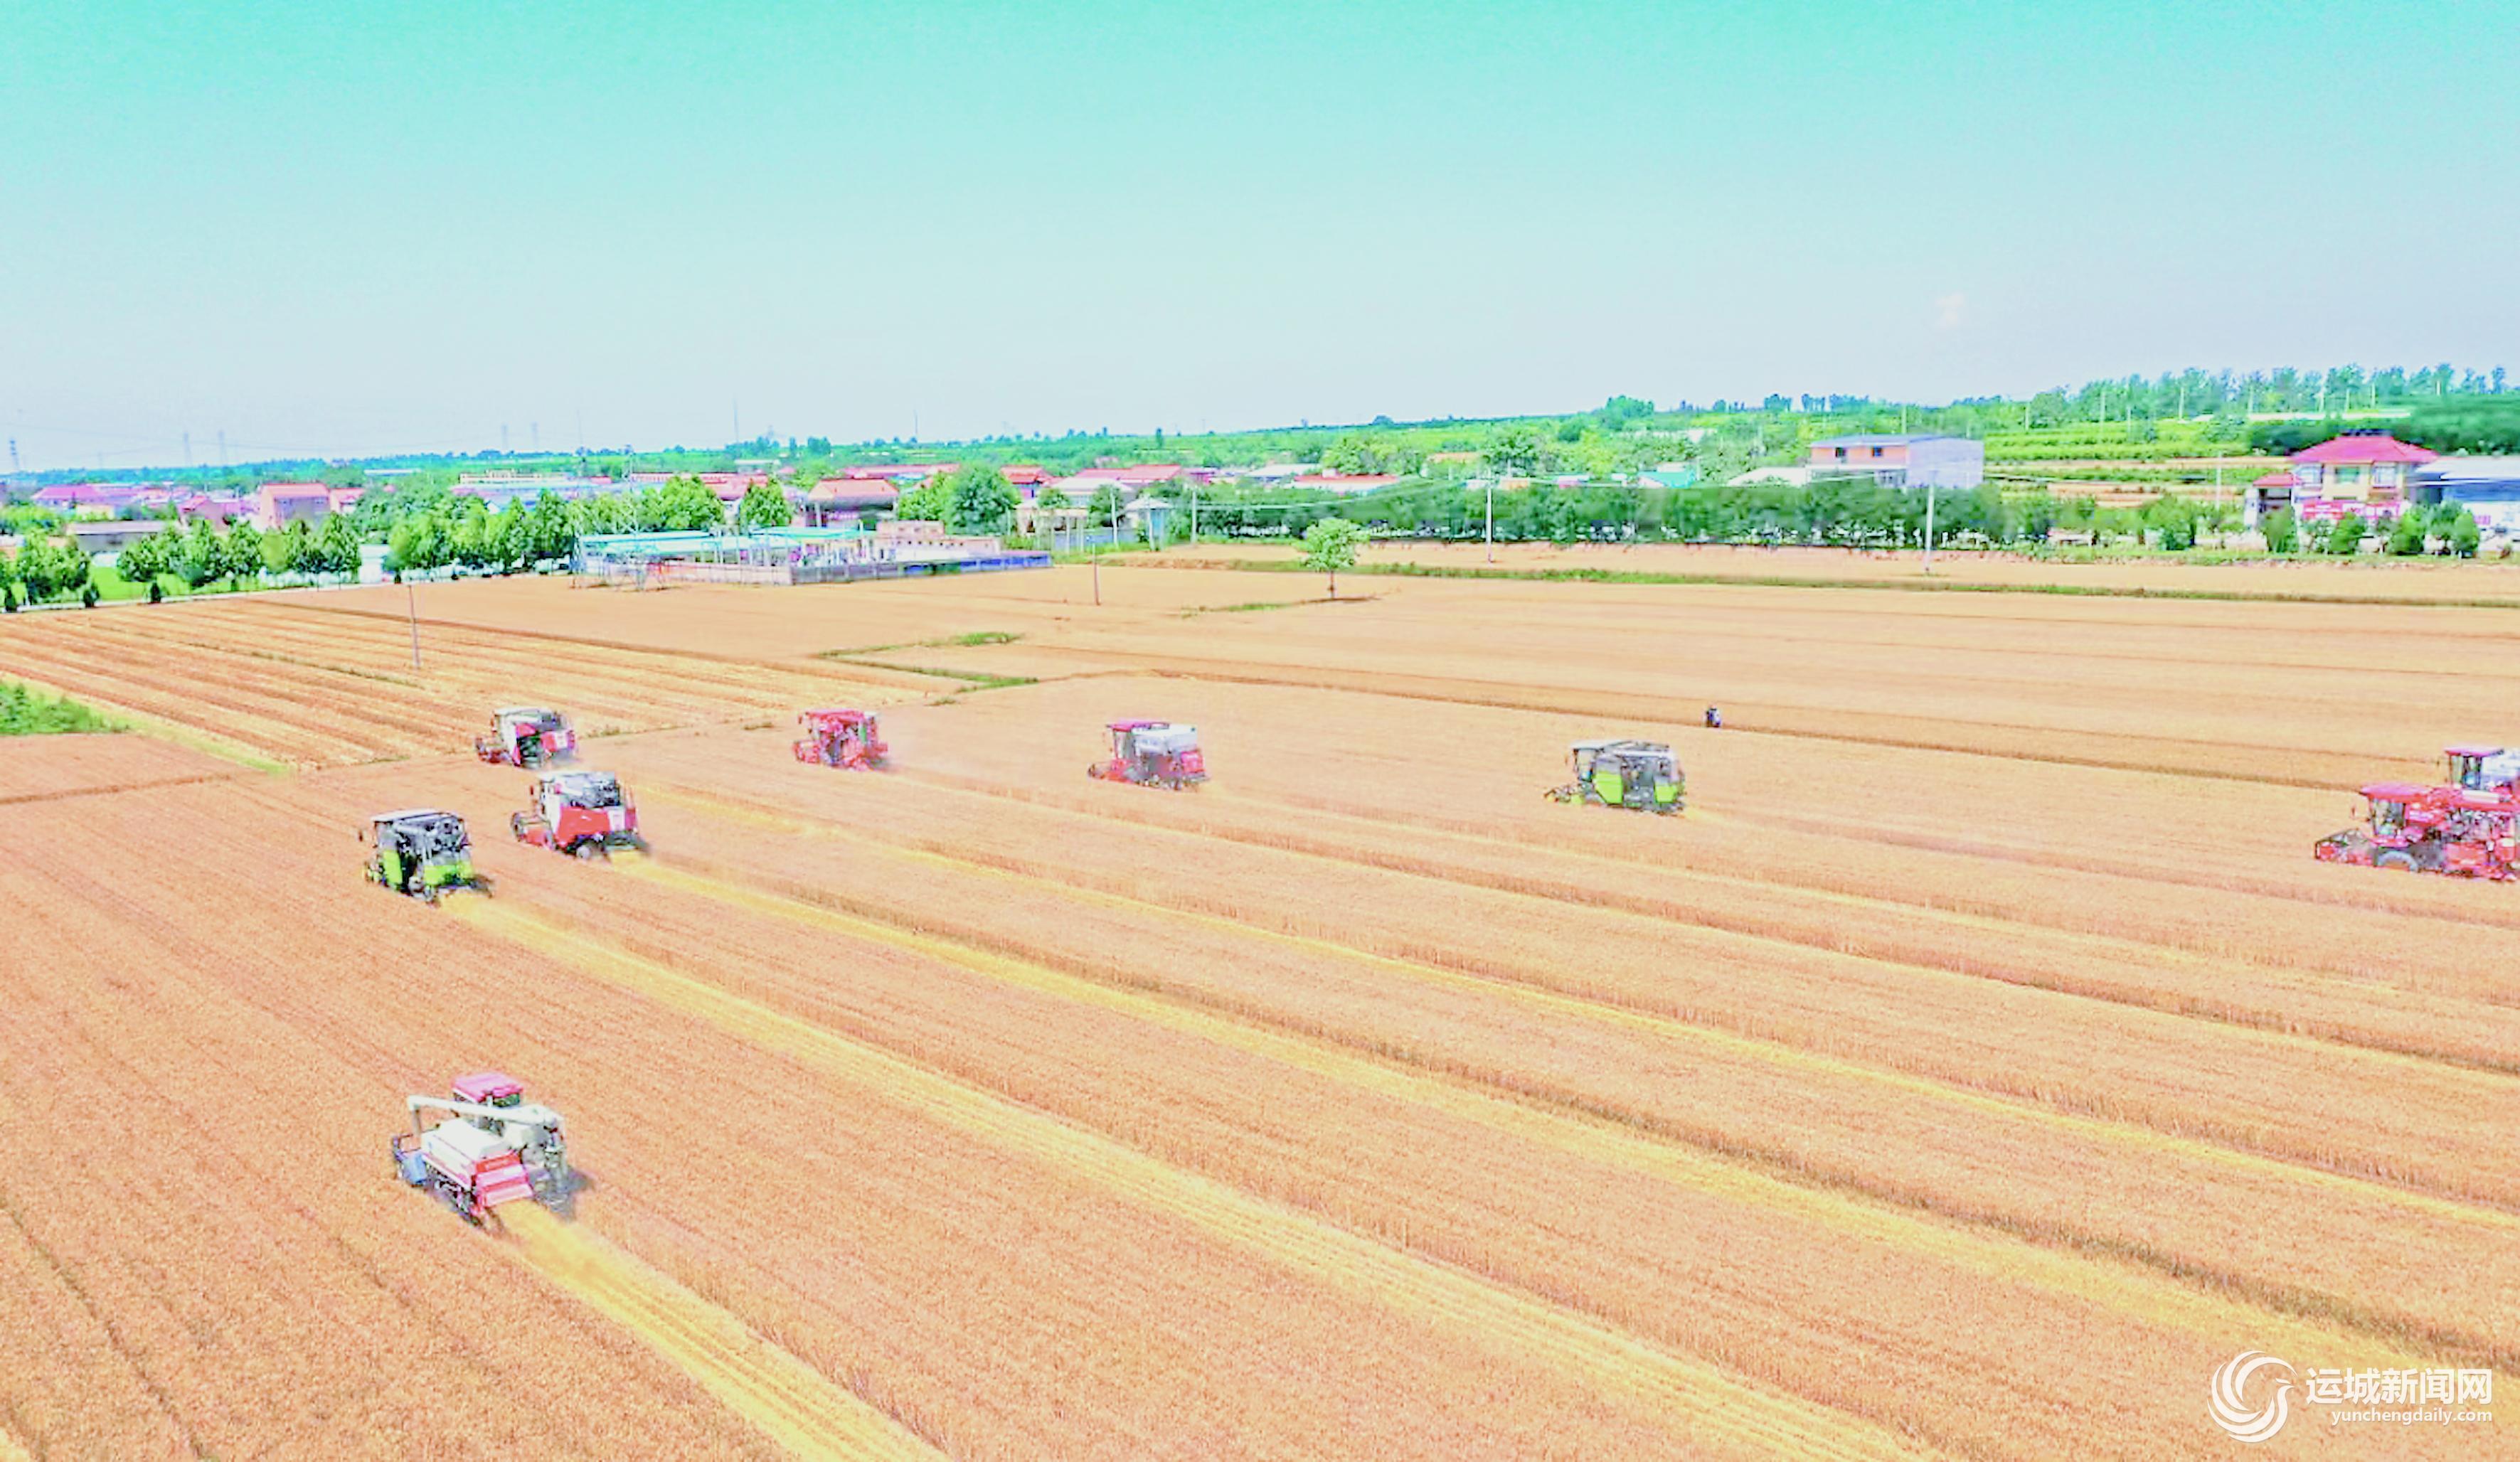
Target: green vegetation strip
<point x="949" y="641"/>
<point x="971" y="680"/>
<point x="123" y="717"/>
<point x="28" y="712"/>
<point x="1805" y="581"/>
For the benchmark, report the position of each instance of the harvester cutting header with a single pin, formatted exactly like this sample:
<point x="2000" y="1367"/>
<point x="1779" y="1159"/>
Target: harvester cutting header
<point x="527" y="736"/>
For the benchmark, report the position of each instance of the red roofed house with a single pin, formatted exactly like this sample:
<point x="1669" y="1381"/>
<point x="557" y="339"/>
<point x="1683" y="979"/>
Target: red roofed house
<point x="2365" y="472"/>
<point x="276" y="505"/>
<point x="1024" y="474"/>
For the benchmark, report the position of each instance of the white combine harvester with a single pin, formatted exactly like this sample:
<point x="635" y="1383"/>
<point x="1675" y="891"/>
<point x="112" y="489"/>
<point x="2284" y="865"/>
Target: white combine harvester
<point x="497" y="1148"/>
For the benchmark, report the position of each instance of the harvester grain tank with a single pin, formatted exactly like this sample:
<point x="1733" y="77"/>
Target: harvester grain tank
<point x="584" y="814"/>
<point x="421" y="853"/>
<point x="1637" y="775"/>
<point x="845" y="738"/>
<point x="527" y="736"/>
<point x="2486" y="768"/>
<point x="494" y="1148"/>
<point x="1153" y="754"/>
<point x="2459" y="832"/>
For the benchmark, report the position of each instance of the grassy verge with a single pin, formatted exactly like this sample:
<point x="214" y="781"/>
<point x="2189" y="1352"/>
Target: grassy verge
<point x="949" y="641"/>
<point x="27" y="712"/>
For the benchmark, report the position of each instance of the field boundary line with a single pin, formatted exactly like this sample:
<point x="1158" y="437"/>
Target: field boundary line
<point x="1491" y="1316"/>
<point x="803" y="665"/>
<point x="1409" y="570"/>
<point x="1995" y="1254"/>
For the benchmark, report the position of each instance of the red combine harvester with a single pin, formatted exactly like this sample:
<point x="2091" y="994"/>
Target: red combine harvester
<point x="842" y="738"/>
<point x="1153" y="754"/>
<point x="526" y="736"/>
<point x="585" y="814"/>
<point x="2459" y="832"/>
<point x="498" y="1148"/>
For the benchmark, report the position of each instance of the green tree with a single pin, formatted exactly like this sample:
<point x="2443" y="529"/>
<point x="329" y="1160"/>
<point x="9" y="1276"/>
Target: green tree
<point x="288" y="552"/>
<point x="2407" y="535"/>
<point x="1332" y="545"/>
<point x="930" y="502"/>
<point x="2281" y="529"/>
<point x="764" y="506"/>
<point x="1513" y="452"/>
<point x="1103" y="511"/>
<point x="418" y="544"/>
<point x="143" y="561"/>
<point x="203" y="558"/>
<point x="980" y="500"/>
<point x="2345" y="536"/>
<point x="337" y="546"/>
<point x="2463" y="535"/>
<point x="683" y="505"/>
<point x="241" y="555"/>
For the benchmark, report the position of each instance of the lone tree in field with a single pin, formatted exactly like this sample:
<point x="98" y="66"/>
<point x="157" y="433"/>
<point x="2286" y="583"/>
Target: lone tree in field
<point x="1332" y="545"/>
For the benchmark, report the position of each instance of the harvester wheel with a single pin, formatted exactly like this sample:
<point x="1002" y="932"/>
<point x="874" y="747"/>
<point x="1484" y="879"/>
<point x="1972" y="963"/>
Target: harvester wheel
<point x="588" y="851"/>
<point x="2397" y="859"/>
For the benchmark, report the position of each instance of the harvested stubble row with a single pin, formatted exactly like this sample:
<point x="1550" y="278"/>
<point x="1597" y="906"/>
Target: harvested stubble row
<point x="315" y="686"/>
<point x="223" y="1269"/>
<point x="2213" y="707"/>
<point x="1760" y="1275"/>
<point x="2158" y="1195"/>
<point x="850" y="1240"/>
<point x="2202" y="1077"/>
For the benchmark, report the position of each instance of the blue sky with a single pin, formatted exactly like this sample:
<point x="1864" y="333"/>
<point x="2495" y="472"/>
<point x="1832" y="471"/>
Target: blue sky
<point x="335" y="227"/>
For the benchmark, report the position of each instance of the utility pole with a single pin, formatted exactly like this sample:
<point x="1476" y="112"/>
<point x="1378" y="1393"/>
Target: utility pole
<point x="1929" y="527"/>
<point x="411" y="604"/>
<point x="1193" y="512"/>
<point x="1491" y="520"/>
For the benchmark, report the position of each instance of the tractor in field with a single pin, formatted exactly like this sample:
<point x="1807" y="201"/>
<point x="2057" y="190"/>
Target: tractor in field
<point x="847" y="739"/>
<point x="526" y="736"/>
<point x="1153" y="754"/>
<point x="1638" y="776"/>
<point x="584" y="814"/>
<point x="421" y="853"/>
<point x="495" y="1147"/>
<point x="2459" y="832"/>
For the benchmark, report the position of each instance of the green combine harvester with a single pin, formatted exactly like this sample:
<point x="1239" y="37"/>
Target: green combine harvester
<point x="421" y="853"/>
<point x="1637" y="775"/>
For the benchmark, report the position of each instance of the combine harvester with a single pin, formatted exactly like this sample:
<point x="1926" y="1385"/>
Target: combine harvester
<point x="421" y="853"/>
<point x="2467" y="829"/>
<point x="1153" y="754"/>
<point x="1637" y="775"/>
<point x="584" y="814"/>
<point x="843" y="738"/>
<point x="495" y="1148"/>
<point x="526" y="736"/>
